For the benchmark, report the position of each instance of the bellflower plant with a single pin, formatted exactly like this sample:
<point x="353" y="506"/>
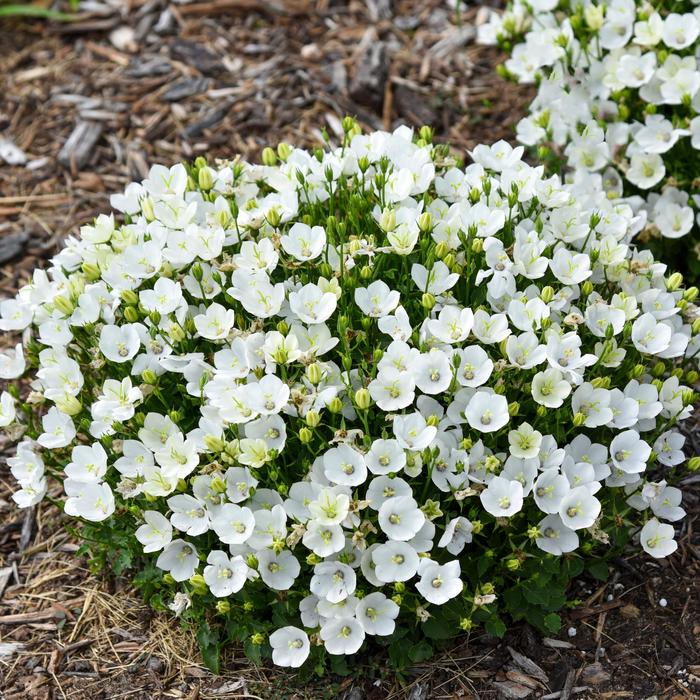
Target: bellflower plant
<point x="618" y="104"/>
<point x="361" y="395"/>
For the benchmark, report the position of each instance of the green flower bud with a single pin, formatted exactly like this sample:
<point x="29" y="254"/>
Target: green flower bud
<point x="427" y="301"/>
<point x="397" y="598"/>
<point x="248" y="605"/>
<point x="542" y="411"/>
<point x="547" y="294"/>
<point x="696" y="326"/>
<point x="149" y="376"/>
<point x="174" y="416"/>
<point x="477" y="526"/>
<point x="130" y="297"/>
<point x="426" y="133"/>
<point x="155" y="317"/>
<point x="205" y="179"/>
<point x="314" y="373"/>
<point x="269" y="157"/>
<point x="252" y="561"/>
<point x="513" y="408"/>
<point x="601" y="382"/>
<point x="284" y="150"/>
<point x="425" y="222"/>
<point x="688" y="397"/>
<point x="677" y="372"/>
<point x="694" y="464"/>
<point x="450" y="261"/>
<point x="442" y="249"/>
<point x="131" y="314"/>
<point x="274" y="218"/>
<point x="168" y="579"/>
<point x="147" y="209"/>
<point x="199" y="586"/>
<point x="366" y="272"/>
<point x="512" y="564"/>
<point x="690" y="294"/>
<point x="305" y="435"/>
<point x="362" y="399"/>
<point x="377" y="354"/>
<point x="91" y="271"/>
<point x="659" y="369"/>
<point x="636" y="372"/>
<point x="387" y="221"/>
<point x="465" y="624"/>
<point x="586" y="288"/>
<point x="335" y="405"/>
<point x="69" y="405"/>
<point x="223" y="607"/>
<point x="399" y="587"/>
<point x="692" y="376"/>
<point x="214" y="444"/>
<point x="674" y="281"/>
<point x="63" y="304"/>
<point x="282" y="327"/>
<point x="477" y="245"/>
<point x="313" y="559"/>
<point x="257" y="639"/>
<point x="579" y="420"/>
<point x="313" y="418"/>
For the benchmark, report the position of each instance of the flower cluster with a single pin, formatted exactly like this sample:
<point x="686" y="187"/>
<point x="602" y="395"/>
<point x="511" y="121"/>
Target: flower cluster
<point x="359" y="392"/>
<point x="619" y="100"/>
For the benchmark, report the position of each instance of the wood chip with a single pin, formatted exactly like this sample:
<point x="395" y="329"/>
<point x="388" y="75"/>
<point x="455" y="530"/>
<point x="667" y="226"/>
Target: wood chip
<point x="80" y="145"/>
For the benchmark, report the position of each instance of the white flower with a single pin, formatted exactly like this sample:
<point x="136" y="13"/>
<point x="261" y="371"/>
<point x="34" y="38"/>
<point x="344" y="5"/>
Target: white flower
<point x="377" y="300"/>
<point x="439" y="583"/>
<point x="342" y="636"/>
<point x="395" y="561"/>
<point x="119" y="343"/>
<point x="7" y="409"/>
<point x="278" y="571"/>
<point x="452" y="325"/>
<point x="333" y="581"/>
<point x="555" y="538"/>
<point x="549" y="388"/>
<point x="304" y="242"/>
<point x="223" y="574"/>
<point x="400" y="518"/>
<point x="629" y="452"/>
<point x="180" y="559"/>
<point x="458" y="533"/>
<point x="215" y="323"/>
<point x="344" y="465"/>
<point x="164" y="298"/>
<point x="525" y="441"/>
<point x="475" y="366"/>
<point x="330" y="507"/>
<point x="90" y="500"/>
<point x="487" y="412"/>
<point x="502" y="497"/>
<point x="385" y="457"/>
<point x="412" y="431"/>
<point x="579" y="508"/>
<point x="156" y="533"/>
<point x="311" y="305"/>
<point x="377" y="613"/>
<point x="290" y="646"/>
<point x="59" y="430"/>
<point x="657" y="539"/>
<point x="233" y="523"/>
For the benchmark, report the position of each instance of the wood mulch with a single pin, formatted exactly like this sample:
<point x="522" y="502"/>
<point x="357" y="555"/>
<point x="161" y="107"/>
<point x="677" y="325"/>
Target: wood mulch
<point x="87" y="107"/>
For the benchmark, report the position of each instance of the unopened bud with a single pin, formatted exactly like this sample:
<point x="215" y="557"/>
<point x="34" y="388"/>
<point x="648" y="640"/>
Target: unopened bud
<point x="269" y="157"/>
<point x="199" y="585"/>
<point x="205" y="179"/>
<point x="335" y="405"/>
<point x="131" y="314"/>
<point x="547" y="294"/>
<point x="579" y="420"/>
<point x="362" y="399"/>
<point x="427" y="301"/>
<point x="305" y="435"/>
<point x="314" y="373"/>
<point x="674" y="281"/>
<point x="313" y="419"/>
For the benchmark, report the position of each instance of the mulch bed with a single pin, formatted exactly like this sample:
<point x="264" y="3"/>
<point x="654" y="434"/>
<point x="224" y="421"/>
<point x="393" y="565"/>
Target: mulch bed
<point x="91" y="105"/>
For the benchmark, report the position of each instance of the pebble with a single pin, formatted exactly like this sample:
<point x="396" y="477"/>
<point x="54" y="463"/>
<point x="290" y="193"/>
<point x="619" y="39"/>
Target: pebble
<point x="663" y="602"/>
<point x="571" y="631"/>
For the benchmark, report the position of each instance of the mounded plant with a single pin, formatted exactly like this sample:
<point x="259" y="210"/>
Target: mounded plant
<point x="361" y="395"/>
<point x="618" y="105"/>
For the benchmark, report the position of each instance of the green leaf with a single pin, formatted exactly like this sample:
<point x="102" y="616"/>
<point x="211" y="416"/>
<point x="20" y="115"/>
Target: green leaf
<point x="420" y="652"/>
<point x="599" y="569"/>
<point x="495" y="626"/>
<point x="23" y="10"/>
<point x="552" y="622"/>
<point x="208" y="640"/>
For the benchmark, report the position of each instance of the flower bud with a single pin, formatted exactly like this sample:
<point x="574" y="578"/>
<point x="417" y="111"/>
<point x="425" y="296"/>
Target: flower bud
<point x="586" y="288"/>
<point x="223" y="607"/>
<point x="659" y="369"/>
<point x="427" y="301"/>
<point x="154" y="317"/>
<point x="282" y="327"/>
<point x="69" y="405"/>
<point x="442" y="249"/>
<point x="674" y="281"/>
<point x="252" y="561"/>
<point x="91" y="271"/>
<point x="399" y="587"/>
<point x="377" y="354"/>
<point x="269" y="157"/>
<point x="426" y="133"/>
<point x="214" y="444"/>
<point x="205" y="179"/>
<point x="512" y="564"/>
<point x="677" y="372"/>
<point x="149" y="376"/>
<point x="284" y="150"/>
<point x="688" y="397"/>
<point x="690" y="294"/>
<point x="131" y="314"/>
<point x="313" y="418"/>
<point x="547" y="294"/>
<point x="257" y="639"/>
<point x="636" y="372"/>
<point x="335" y="405"/>
<point x="451" y="262"/>
<point x="542" y="411"/>
<point x="130" y="297"/>
<point x="362" y="399"/>
<point x="63" y="304"/>
<point x="305" y="435"/>
<point x="579" y="420"/>
<point x="366" y="272"/>
<point x="513" y="408"/>
<point x="248" y="605"/>
<point x="465" y="624"/>
<point x="168" y="579"/>
<point x="274" y="218"/>
<point x="696" y="326"/>
<point x="601" y="382"/>
<point x="694" y="464"/>
<point x="174" y="416"/>
<point x="477" y="526"/>
<point x="477" y="245"/>
<point x="199" y="586"/>
<point x="147" y="209"/>
<point x="425" y="222"/>
<point x="387" y="221"/>
<point x="692" y="376"/>
<point x="314" y="373"/>
<point x="313" y="559"/>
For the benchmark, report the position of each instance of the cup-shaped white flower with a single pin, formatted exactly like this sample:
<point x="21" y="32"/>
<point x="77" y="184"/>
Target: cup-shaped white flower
<point x="377" y="614"/>
<point x="333" y="581"/>
<point x="555" y="537"/>
<point x="180" y="559"/>
<point x="223" y="574"/>
<point x="502" y="497"/>
<point x="342" y="636"/>
<point x="290" y="646"/>
<point x="400" y="518"/>
<point x="579" y="508"/>
<point x="395" y="561"/>
<point x="311" y="305"/>
<point x="345" y="466"/>
<point x="278" y="571"/>
<point x="439" y="582"/>
<point x="657" y="539"/>
<point x="377" y="300"/>
<point x="487" y="412"/>
<point x="156" y="533"/>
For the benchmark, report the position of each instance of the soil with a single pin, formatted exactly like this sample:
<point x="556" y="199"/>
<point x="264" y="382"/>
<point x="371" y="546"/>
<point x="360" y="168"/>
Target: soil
<point x="152" y="81"/>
